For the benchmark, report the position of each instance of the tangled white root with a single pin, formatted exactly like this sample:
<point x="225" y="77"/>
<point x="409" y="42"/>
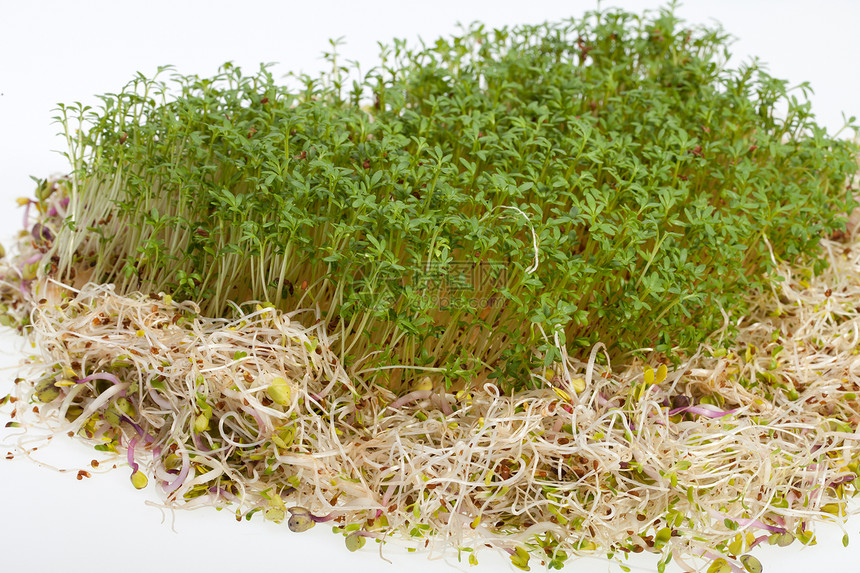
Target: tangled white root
<point x="746" y="441"/>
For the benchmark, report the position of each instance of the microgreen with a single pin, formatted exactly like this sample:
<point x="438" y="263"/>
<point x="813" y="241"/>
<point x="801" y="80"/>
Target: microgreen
<point x="471" y="205"/>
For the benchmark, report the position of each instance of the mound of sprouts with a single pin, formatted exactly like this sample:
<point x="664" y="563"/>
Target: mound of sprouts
<point x="544" y="429"/>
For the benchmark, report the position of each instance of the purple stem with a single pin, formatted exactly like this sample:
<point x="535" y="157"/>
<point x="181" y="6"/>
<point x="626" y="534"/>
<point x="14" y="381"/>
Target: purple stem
<point x="751" y="522"/>
<point x="322" y="518"/>
<point x="55" y="210"/>
<point x="101" y="431"/>
<point x="130" y="454"/>
<point x="26" y="213"/>
<point x="183" y="474"/>
<point x="146" y="437"/>
<point x="221" y="492"/>
<point x="33" y="259"/>
<point x="99" y="376"/>
<point x="761" y="525"/>
<point x="843" y="479"/>
<point x="198" y="443"/>
<point x="256" y="415"/>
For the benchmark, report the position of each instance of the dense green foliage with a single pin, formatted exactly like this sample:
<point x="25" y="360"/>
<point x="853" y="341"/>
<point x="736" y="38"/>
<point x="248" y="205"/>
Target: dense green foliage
<point x="403" y="201"/>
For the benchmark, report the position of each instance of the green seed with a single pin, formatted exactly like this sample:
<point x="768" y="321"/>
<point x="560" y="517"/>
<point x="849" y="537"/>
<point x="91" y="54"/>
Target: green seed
<point x="736" y="546"/>
<point x="424" y="384"/>
<point x="279" y="391"/>
<point x="355" y="541"/>
<point x="46" y="391"/>
<point x="751" y="564"/>
<point x="781" y="539"/>
<point x="283" y="438"/>
<point x="300" y="523"/>
<point x="662" y="371"/>
<point x="275" y="514"/>
<point x="124" y="406"/>
<point x="73" y="413"/>
<point x="201" y="423"/>
<point x="112" y="416"/>
<point x="832" y="508"/>
<point x="29" y="271"/>
<point x="663" y="536"/>
<point x="720" y="566"/>
<point x="138" y="479"/>
<point x="520" y="559"/>
<point x="300" y="520"/>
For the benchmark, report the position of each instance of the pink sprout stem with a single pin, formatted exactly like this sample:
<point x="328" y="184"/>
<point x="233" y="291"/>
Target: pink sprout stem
<point x="130" y="454"/>
<point x="99" y="376"/>
<point x="140" y="431"/>
<point x="183" y="474"/>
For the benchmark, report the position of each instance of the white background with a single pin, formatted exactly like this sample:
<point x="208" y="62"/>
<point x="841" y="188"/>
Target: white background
<point x="67" y="51"/>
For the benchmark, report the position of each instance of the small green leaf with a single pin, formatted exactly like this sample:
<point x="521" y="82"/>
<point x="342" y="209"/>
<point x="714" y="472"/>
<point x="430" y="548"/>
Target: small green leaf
<point x="781" y="539"/>
<point x="355" y="541"/>
<point x="720" y="566"/>
<point x="201" y="423"/>
<point x="648" y="376"/>
<point x="520" y="559"/>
